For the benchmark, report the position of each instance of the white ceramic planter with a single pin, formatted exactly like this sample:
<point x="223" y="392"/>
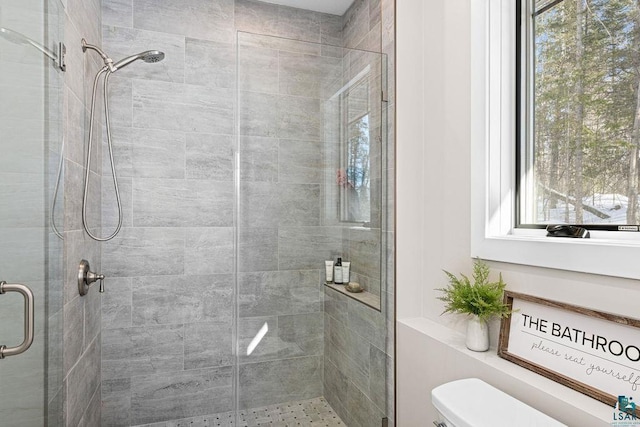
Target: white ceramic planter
<point x="477" y="334"/>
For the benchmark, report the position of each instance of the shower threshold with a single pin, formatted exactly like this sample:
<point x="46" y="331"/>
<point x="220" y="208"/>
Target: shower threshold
<point x="312" y="412"/>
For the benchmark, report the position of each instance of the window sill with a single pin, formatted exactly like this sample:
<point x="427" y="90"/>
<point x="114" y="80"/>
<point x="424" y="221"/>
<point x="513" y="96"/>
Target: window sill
<point x="597" y="236"/>
<point x="597" y="255"/>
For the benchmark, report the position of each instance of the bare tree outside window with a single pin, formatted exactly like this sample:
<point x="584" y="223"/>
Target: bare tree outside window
<point x="580" y="98"/>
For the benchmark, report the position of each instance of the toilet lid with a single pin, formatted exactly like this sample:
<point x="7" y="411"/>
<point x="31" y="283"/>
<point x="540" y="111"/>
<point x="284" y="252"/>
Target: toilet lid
<point x="473" y="403"/>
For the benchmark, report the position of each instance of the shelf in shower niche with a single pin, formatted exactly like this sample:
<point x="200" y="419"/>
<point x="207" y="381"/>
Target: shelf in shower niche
<point x="366" y="298"/>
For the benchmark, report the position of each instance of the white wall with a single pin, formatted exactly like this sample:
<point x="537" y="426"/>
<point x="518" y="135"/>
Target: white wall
<point x="433" y="207"/>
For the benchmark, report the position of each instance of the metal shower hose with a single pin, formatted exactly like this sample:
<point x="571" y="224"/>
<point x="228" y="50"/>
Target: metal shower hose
<point x="88" y="165"/>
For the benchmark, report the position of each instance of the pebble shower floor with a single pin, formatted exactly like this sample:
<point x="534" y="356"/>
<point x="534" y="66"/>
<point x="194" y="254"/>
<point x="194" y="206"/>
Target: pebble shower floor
<point x="308" y="413"/>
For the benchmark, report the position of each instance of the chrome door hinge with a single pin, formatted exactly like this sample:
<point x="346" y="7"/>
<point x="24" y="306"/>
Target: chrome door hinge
<point x="62" y="51"/>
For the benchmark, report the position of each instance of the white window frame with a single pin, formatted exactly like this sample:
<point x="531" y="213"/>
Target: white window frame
<point x="493" y="102"/>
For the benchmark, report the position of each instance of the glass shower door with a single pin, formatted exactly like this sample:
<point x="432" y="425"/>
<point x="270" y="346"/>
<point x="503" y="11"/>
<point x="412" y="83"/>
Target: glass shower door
<point x="30" y="251"/>
<point x="312" y="145"/>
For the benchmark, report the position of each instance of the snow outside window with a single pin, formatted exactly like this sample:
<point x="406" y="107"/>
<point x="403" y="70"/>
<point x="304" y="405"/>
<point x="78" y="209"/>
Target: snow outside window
<point x="590" y="188"/>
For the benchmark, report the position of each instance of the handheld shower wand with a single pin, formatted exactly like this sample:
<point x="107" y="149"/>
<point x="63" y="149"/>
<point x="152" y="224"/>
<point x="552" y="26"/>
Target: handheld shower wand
<point x="109" y="68"/>
<point x="149" y="56"/>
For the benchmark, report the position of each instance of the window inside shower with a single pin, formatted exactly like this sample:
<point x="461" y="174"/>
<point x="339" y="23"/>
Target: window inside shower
<point x="354" y="174"/>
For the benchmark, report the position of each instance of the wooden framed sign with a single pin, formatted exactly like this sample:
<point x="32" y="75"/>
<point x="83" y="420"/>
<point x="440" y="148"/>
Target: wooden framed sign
<point x="595" y="353"/>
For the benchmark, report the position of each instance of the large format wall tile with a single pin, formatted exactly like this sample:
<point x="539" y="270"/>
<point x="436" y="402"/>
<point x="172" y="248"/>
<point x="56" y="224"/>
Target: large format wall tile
<point x="258" y="249"/>
<point x="256" y="17"/>
<point x="364" y="250"/>
<point x="258" y="339"/>
<point x="143" y="251"/>
<point x="303" y="248"/>
<point x="350" y="351"/>
<point x="182" y="203"/>
<point x="117" y="12"/>
<point x="257" y="68"/>
<point x="209" y="250"/>
<point x="258" y="114"/>
<point x="270" y="293"/>
<point x="147" y="153"/>
<point x="307" y="75"/>
<point x="336" y="386"/>
<point x="209" y="157"/>
<point x="181" y="299"/>
<point x="139" y="351"/>
<point x="298" y="204"/>
<point x="276" y="381"/>
<point x="303" y="334"/>
<point x="298" y="24"/>
<point x="258" y="159"/>
<point x="210" y="63"/>
<point x="120" y="106"/>
<point x="116" y="402"/>
<point x="298" y="118"/>
<point x="208" y="344"/>
<point x="86" y="16"/>
<point x="300" y="162"/>
<point x="362" y="410"/>
<point x="189" y="108"/>
<point x="202" y="19"/>
<point x="280" y="337"/>
<point x="201" y="392"/>
<point x="82" y="382"/>
<point x="259" y="205"/>
<point x="116" y="303"/>
<point x="92" y="414"/>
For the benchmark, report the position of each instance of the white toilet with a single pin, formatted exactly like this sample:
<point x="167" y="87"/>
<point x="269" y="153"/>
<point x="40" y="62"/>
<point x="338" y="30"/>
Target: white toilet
<point x="473" y="403"/>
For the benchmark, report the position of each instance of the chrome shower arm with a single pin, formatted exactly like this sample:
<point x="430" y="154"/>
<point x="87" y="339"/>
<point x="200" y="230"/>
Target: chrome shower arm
<point x="107" y="61"/>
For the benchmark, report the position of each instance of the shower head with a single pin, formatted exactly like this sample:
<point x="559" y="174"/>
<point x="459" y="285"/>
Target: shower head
<point x="14" y="37"/>
<point x="22" y="40"/>
<point x="148" y="56"/>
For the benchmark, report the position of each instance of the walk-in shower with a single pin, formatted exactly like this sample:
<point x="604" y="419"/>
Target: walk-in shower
<point x="254" y="154"/>
<point x="249" y="160"/>
<point x="109" y="68"/>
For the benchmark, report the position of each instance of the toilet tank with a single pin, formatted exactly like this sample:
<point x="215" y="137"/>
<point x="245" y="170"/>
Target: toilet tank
<point x="473" y="403"/>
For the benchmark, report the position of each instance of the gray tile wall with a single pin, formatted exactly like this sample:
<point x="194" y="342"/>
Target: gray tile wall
<point x="359" y="341"/>
<point x="284" y="240"/>
<point x="81" y="315"/>
<point x="167" y="316"/>
<point x="168" y="312"/>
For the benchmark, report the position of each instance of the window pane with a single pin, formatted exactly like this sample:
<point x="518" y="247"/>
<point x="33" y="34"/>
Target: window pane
<point x="582" y="113"/>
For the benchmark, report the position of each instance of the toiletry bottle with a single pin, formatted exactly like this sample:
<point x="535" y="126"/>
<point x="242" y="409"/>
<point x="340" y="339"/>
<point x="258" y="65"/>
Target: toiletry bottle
<point x="337" y="272"/>
<point x="328" y="266"/>
<point x="346" y="267"/>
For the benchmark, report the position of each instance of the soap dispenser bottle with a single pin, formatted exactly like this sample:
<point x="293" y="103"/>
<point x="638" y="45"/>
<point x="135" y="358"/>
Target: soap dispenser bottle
<point x="337" y="272"/>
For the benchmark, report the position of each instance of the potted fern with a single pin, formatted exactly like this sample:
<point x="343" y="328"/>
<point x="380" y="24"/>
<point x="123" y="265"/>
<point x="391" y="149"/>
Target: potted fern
<point x="480" y="298"/>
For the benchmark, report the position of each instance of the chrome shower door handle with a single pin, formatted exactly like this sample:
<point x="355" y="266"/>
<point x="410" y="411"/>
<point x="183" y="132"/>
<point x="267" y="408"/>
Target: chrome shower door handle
<point x="28" y="319"/>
